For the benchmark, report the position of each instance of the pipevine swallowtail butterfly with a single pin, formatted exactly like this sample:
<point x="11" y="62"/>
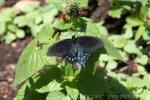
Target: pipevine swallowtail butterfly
<point x="76" y="50"/>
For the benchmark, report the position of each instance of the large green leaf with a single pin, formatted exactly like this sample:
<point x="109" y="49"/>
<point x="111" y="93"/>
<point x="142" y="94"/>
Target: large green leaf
<point x="29" y="63"/>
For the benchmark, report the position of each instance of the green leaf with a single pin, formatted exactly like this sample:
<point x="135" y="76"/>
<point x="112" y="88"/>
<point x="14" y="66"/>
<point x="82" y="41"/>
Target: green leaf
<point x="135" y="82"/>
<point x="139" y="32"/>
<point x="143" y="12"/>
<point x="26" y="92"/>
<point x="56" y="95"/>
<point x="60" y="24"/>
<point x="20" y="33"/>
<point x="124" y="55"/>
<point x="92" y="29"/>
<point x="147" y="81"/>
<point x="35" y="29"/>
<point x="50" y="60"/>
<point x="69" y="74"/>
<point x="143" y="60"/>
<point x="83" y="3"/>
<point x="47" y="76"/>
<point x="8" y="12"/>
<point x="127" y="7"/>
<point x="131" y="47"/>
<point x="146" y="35"/>
<point x="46" y="33"/>
<point x="92" y="84"/>
<point x="112" y="65"/>
<point x="30" y="7"/>
<point x="115" y="12"/>
<point x="48" y="17"/>
<point x="103" y="30"/>
<point x="20" y="21"/>
<point x="111" y="50"/>
<point x="59" y="4"/>
<point x="67" y="34"/>
<point x="134" y="21"/>
<point x="72" y="92"/>
<point x="52" y="86"/>
<point x="145" y="95"/>
<point x="105" y="57"/>
<point x="69" y="70"/>
<point x="118" y="41"/>
<point x="9" y="37"/>
<point x="128" y="32"/>
<point x="29" y="63"/>
<point x="82" y="97"/>
<point x="2" y="27"/>
<point x="96" y="29"/>
<point x="21" y="92"/>
<point x="12" y="28"/>
<point x="144" y="2"/>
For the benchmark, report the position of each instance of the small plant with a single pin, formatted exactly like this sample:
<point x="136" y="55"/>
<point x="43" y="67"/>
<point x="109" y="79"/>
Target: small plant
<point x="52" y="78"/>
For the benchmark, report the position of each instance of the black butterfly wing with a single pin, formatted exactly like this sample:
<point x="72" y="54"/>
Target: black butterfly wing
<point x="60" y="48"/>
<point x="89" y="43"/>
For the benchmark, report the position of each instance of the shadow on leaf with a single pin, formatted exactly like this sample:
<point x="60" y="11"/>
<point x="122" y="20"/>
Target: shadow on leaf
<point x="92" y="83"/>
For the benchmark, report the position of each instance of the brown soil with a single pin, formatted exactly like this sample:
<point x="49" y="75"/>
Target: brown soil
<point x="9" y="57"/>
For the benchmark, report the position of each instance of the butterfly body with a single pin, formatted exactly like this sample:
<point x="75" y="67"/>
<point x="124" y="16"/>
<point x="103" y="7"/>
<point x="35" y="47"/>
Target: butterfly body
<point x="75" y="50"/>
<point x="77" y="54"/>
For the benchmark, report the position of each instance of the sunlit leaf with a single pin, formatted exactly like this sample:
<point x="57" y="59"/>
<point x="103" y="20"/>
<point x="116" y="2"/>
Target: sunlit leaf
<point x="72" y="92"/>
<point x="134" y="21"/>
<point x="56" y="95"/>
<point x="139" y="32"/>
<point x="115" y="12"/>
<point x="46" y="33"/>
<point x="118" y="41"/>
<point x="29" y="63"/>
<point x="52" y="86"/>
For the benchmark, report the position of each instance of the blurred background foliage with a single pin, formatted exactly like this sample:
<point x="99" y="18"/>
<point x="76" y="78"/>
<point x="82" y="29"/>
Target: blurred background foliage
<point x="126" y="23"/>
